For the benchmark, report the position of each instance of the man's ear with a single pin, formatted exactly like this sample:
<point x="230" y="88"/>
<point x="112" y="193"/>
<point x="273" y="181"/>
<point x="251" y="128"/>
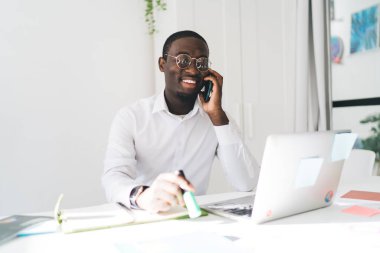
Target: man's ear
<point x="161" y="63"/>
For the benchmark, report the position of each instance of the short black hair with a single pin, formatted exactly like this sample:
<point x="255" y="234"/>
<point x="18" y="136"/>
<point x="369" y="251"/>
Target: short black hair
<point x="179" y="35"/>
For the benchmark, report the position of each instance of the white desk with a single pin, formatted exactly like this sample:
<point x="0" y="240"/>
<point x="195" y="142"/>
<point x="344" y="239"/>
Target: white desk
<point x="323" y="230"/>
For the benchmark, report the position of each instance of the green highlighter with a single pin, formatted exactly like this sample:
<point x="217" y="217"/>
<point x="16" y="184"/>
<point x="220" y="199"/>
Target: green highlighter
<point x="191" y="204"/>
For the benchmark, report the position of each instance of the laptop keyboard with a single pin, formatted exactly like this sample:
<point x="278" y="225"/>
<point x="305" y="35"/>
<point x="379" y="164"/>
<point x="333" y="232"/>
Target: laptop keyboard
<point x="240" y="207"/>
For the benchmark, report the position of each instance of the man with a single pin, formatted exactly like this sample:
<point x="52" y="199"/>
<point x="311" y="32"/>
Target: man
<point x="175" y="130"/>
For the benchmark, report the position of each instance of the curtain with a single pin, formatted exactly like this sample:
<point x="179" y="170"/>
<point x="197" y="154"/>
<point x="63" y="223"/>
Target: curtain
<point x="312" y="87"/>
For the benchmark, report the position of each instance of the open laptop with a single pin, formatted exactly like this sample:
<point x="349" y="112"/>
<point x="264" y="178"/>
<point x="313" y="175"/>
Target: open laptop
<point x="300" y="172"/>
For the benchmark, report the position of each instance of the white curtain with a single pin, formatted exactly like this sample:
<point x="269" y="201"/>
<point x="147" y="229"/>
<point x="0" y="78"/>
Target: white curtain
<point x="312" y="88"/>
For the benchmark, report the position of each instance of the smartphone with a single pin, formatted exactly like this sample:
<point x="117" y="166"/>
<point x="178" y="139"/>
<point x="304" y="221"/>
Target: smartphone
<point x="206" y="90"/>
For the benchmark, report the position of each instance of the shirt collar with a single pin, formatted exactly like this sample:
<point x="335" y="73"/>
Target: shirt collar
<point x="160" y="105"/>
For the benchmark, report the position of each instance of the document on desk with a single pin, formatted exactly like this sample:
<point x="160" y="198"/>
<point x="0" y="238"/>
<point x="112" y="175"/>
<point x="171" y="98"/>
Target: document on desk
<point x="178" y="212"/>
<point x="93" y="218"/>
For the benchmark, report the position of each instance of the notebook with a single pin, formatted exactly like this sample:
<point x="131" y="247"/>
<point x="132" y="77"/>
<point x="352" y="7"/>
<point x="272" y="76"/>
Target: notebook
<point x="92" y="218"/>
<point x="10" y="226"/>
<point x="300" y="172"/>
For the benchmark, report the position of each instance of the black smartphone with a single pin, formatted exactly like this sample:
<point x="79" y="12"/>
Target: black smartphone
<point x="206" y="90"/>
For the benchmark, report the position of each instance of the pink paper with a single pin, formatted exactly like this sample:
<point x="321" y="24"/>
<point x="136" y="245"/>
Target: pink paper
<point x="374" y="196"/>
<point x="361" y="211"/>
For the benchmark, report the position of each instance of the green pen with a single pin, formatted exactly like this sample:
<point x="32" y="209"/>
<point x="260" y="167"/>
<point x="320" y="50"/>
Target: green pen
<point x="188" y="196"/>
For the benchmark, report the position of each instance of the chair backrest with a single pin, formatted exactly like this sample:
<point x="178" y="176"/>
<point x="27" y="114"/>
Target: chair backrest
<point x="358" y="166"/>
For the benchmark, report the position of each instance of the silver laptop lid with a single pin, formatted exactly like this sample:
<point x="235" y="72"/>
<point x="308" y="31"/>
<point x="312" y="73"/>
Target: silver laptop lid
<point x="300" y="172"/>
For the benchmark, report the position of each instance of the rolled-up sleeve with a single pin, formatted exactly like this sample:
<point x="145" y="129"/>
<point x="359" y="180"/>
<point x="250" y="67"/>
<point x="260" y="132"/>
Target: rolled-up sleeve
<point x="240" y="167"/>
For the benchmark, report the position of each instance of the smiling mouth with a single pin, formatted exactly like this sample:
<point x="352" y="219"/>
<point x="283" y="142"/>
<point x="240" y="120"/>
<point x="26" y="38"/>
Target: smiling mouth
<point x="188" y="83"/>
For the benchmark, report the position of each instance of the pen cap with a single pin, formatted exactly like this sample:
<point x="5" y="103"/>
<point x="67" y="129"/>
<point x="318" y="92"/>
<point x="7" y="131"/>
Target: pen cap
<point x="192" y="205"/>
<point x="180" y="173"/>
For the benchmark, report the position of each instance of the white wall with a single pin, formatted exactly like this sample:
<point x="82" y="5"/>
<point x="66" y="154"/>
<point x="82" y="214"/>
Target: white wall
<point x="66" y="67"/>
<point x="350" y="117"/>
<point x="358" y="75"/>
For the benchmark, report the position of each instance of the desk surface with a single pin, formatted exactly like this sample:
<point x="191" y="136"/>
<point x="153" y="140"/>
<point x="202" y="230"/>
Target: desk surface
<point x="322" y="230"/>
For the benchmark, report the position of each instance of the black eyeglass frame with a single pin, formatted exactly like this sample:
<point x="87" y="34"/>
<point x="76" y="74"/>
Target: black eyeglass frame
<point x="197" y="61"/>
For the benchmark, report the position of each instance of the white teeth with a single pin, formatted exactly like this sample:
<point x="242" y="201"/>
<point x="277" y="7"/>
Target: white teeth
<point x="188" y="81"/>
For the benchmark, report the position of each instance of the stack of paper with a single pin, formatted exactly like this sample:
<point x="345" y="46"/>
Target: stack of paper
<point x="97" y="217"/>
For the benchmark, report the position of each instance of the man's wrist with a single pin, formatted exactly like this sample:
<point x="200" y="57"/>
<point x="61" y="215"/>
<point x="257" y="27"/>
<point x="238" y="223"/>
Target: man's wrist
<point x="219" y="118"/>
<point x="135" y="193"/>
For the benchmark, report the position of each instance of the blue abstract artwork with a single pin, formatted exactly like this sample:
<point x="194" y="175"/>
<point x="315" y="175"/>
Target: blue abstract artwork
<point x="364" y="30"/>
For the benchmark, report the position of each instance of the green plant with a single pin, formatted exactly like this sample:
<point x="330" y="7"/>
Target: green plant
<point x="373" y="141"/>
<point x="151" y="5"/>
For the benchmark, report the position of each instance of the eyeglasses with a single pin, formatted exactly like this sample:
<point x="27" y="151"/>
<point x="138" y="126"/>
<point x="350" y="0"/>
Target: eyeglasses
<point x="184" y="61"/>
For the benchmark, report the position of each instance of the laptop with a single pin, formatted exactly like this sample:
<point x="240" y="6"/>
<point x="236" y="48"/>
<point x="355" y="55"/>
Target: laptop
<point x="299" y="172"/>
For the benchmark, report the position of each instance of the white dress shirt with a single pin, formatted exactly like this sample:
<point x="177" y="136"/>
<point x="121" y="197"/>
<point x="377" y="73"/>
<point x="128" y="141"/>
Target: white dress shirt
<point x="147" y="140"/>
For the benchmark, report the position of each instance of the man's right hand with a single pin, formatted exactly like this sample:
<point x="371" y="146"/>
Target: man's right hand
<point x="164" y="193"/>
